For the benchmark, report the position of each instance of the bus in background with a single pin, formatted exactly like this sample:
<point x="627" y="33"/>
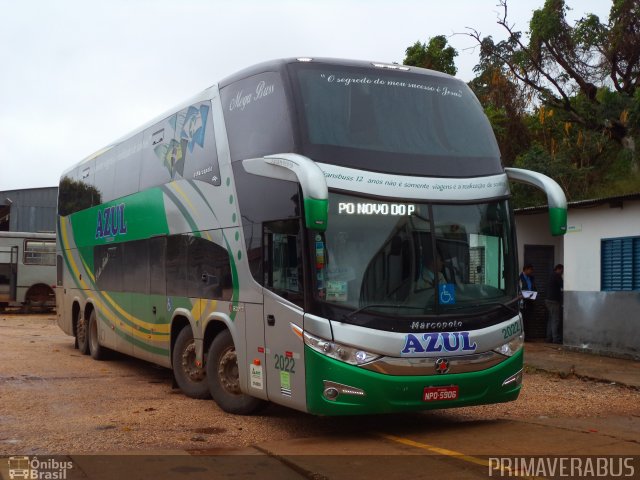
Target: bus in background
<point x="333" y="236"/>
<point x="27" y="270"/>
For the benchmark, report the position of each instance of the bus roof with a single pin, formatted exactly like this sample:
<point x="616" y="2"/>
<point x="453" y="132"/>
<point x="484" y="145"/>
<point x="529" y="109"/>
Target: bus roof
<point x="279" y="64"/>
<point x="271" y="65"/>
<point x="33" y="235"/>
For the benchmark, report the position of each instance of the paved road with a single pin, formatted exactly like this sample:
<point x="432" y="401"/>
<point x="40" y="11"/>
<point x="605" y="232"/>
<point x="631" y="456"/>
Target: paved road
<point x="414" y="446"/>
<point x="53" y="400"/>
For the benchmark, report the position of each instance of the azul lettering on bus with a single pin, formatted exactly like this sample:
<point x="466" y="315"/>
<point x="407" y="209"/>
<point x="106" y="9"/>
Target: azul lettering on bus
<point x="111" y="222"/>
<point x="438" y="342"/>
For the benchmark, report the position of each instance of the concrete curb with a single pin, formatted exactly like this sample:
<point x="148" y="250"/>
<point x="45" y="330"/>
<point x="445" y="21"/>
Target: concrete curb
<point x="561" y="361"/>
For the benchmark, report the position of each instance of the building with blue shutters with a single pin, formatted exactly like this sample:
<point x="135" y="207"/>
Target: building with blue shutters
<point x="601" y="257"/>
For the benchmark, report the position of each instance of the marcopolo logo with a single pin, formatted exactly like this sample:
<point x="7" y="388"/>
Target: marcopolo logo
<point x="111" y="222"/>
<point x="437" y="342"/>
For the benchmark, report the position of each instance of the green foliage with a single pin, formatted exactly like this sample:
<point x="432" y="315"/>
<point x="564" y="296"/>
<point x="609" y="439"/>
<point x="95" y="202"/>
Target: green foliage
<point x="563" y="99"/>
<point x="73" y="196"/>
<point x="582" y="106"/>
<point x="436" y="55"/>
<point x="560" y="61"/>
<point x="504" y="104"/>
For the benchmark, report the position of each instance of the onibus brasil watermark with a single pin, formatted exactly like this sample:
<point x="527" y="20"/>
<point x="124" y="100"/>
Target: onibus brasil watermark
<point x="38" y="469"/>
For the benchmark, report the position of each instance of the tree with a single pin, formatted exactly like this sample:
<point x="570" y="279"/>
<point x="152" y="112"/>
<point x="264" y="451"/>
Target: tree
<point x="580" y="86"/>
<point x="74" y="195"/>
<point x="561" y="62"/>
<point x="504" y="103"/>
<point x="436" y="55"/>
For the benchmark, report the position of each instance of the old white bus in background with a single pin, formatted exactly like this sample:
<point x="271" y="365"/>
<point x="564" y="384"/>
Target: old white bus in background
<point x="27" y="270"/>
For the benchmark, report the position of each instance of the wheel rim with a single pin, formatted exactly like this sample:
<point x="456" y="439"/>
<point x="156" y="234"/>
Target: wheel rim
<point x="228" y="371"/>
<point x="191" y="370"/>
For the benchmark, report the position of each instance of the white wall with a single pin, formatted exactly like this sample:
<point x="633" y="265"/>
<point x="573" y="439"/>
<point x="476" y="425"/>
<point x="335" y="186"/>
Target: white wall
<point x="593" y="320"/>
<point x="586" y="227"/>
<point x="534" y="230"/>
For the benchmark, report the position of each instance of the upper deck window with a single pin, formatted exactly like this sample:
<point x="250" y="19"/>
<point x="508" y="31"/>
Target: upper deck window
<point x="257" y="116"/>
<point x="398" y="122"/>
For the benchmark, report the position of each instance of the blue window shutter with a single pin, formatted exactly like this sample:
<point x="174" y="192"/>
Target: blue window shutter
<point x="609" y="251"/>
<point x="620" y="264"/>
<point x="626" y="261"/>
<point x="636" y="263"/>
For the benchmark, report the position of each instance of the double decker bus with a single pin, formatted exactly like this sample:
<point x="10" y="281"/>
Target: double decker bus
<point x="333" y="236"/>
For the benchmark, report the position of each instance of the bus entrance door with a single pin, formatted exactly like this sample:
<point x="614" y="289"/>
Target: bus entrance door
<point x="8" y="274"/>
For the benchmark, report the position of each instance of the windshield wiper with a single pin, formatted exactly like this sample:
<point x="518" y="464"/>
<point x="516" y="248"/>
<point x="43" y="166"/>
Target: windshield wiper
<point x="348" y="316"/>
<point x="513" y="311"/>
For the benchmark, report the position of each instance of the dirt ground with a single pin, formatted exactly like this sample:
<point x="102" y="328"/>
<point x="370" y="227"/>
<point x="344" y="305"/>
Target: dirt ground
<point x="55" y="401"/>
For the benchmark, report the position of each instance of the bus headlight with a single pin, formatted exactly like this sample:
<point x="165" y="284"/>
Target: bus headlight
<point x="511" y="347"/>
<point x="354" y="356"/>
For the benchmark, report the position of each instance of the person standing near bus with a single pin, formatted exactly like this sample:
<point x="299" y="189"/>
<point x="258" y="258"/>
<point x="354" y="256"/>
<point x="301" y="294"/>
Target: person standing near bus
<point x="554" y="304"/>
<point x="527" y="285"/>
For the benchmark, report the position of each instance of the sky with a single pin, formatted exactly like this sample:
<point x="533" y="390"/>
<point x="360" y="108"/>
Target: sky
<point x="75" y="75"/>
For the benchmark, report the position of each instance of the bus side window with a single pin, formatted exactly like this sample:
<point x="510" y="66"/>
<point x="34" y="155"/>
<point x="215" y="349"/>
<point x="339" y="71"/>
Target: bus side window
<point x="176" y="265"/>
<point x="209" y="273"/>
<point x="160" y="152"/>
<point x="126" y="174"/>
<point x="157" y="281"/>
<point x="282" y="259"/>
<point x="75" y="194"/>
<point x="136" y="267"/>
<point x="107" y="262"/>
<point x="39" y="252"/>
<point x="263" y="125"/>
<point x="200" y="155"/>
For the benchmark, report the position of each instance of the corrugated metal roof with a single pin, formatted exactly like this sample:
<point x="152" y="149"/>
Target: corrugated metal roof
<point x="32" y="209"/>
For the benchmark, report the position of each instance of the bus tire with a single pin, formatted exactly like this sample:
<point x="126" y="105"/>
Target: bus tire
<point x="190" y="378"/>
<point x="38" y="297"/>
<point x="97" y="351"/>
<point x="223" y="378"/>
<point x="82" y="335"/>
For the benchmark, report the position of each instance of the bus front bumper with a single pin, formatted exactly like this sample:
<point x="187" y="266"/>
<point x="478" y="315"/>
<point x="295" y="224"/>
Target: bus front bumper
<point x="360" y="391"/>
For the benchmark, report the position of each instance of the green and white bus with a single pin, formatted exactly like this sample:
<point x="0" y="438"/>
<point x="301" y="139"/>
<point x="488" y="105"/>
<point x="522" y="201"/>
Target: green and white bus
<point x="271" y="241"/>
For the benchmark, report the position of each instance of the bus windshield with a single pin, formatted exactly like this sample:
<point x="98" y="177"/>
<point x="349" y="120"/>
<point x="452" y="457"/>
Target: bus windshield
<point x="411" y="123"/>
<point x="411" y="259"/>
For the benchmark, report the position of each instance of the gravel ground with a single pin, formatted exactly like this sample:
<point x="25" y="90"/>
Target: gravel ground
<point x="55" y="401"/>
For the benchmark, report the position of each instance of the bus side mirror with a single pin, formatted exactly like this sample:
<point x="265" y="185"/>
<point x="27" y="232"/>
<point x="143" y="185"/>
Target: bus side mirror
<point x="555" y="196"/>
<point x="297" y="168"/>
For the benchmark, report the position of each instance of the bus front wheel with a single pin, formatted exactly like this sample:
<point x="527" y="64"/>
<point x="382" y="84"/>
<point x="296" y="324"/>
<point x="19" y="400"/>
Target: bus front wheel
<point x="190" y="378"/>
<point x="224" y="379"/>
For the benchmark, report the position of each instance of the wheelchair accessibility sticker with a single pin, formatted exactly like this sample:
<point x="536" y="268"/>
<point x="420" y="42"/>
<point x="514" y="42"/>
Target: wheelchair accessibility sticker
<point x="447" y="293"/>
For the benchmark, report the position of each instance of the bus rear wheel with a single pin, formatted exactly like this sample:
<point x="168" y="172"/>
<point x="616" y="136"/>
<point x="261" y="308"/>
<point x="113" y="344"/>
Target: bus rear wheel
<point x="39" y="297"/>
<point x="95" y="349"/>
<point x="224" y="379"/>
<point x="190" y="378"/>
<point x="82" y="335"/>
